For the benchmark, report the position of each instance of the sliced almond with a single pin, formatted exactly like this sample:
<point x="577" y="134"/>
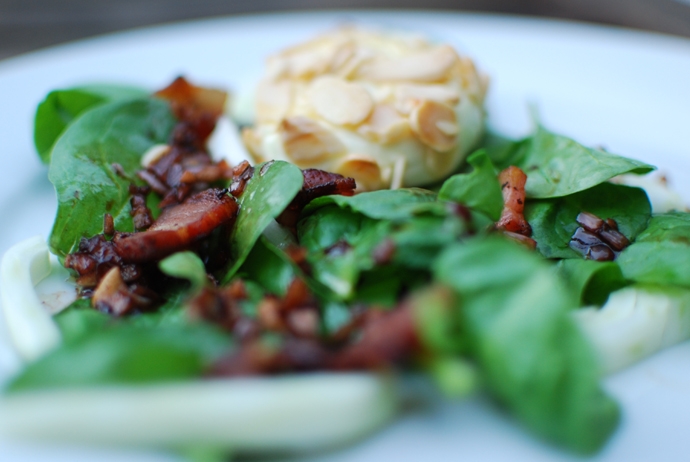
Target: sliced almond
<point x="439" y="93"/>
<point x="307" y="142"/>
<point x="154" y="154"/>
<point x="340" y="102"/>
<point x="273" y="100"/>
<point x="385" y="125"/>
<point x="431" y="122"/>
<point x="342" y="55"/>
<point x="431" y="65"/>
<point x="111" y="294"/>
<point x="398" y="173"/>
<point x="364" y="169"/>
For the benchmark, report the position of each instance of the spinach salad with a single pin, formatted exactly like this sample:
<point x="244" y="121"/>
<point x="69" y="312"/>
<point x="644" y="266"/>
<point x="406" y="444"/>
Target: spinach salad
<point x="190" y="268"/>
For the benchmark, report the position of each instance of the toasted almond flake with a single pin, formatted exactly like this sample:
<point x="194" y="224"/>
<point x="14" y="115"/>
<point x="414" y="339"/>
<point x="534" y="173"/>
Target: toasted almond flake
<point x="340" y="102"/>
<point x="342" y="55"/>
<point x="438" y="93"/>
<point x="306" y="142"/>
<point x="430" y="65"/>
<point x="307" y="64"/>
<point x="273" y="100"/>
<point x="398" y="173"/>
<point x="447" y="127"/>
<point x="364" y="169"/>
<point x="425" y="120"/>
<point x="109" y="285"/>
<point x="154" y="154"/>
<point x="385" y="125"/>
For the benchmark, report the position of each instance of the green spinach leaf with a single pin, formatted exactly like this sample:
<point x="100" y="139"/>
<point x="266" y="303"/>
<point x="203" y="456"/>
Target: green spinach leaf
<point x="126" y="354"/>
<point x="266" y="196"/>
<point x="61" y="107"/>
<point x="593" y="281"/>
<point x="478" y="189"/>
<point x="186" y="265"/>
<point x="399" y="204"/>
<point x="81" y="168"/>
<point x="553" y="220"/>
<point x="558" y="166"/>
<point x="534" y="359"/>
<point x="661" y="254"/>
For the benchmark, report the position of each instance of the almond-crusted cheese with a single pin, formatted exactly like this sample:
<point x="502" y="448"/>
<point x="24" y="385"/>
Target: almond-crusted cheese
<point x="363" y="104"/>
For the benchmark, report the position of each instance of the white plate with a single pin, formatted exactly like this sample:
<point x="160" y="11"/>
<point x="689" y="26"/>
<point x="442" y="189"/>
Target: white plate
<point x="626" y="90"/>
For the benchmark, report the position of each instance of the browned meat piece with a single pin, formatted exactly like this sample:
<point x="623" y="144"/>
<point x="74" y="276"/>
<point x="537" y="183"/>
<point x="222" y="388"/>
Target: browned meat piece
<point x="317" y="183"/>
<point x="208" y="173"/>
<point x="197" y="106"/>
<point x="387" y="338"/>
<point x="114" y="296"/>
<point x="95" y="257"/>
<point x="241" y="174"/>
<point x="108" y="225"/>
<point x="178" y="227"/>
<point x="512" y="182"/>
<point x="141" y="214"/>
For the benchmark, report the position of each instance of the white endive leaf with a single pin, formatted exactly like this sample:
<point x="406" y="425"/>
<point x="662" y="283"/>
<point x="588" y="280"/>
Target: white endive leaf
<point x="636" y="322"/>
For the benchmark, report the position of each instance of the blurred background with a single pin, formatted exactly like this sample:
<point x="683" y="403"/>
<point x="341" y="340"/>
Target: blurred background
<point x="27" y="25"/>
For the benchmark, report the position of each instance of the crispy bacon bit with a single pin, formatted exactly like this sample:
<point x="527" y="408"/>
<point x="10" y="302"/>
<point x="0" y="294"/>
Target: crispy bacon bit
<point x="197" y="106"/>
<point x="598" y="239"/>
<point x="114" y="296"/>
<point x="317" y="183"/>
<point x="512" y="181"/>
<point x="141" y="214"/>
<point x="208" y="173"/>
<point x="108" y="225"/>
<point x="95" y="257"/>
<point x="386" y="339"/>
<point x="178" y="227"/>
<point x="241" y="174"/>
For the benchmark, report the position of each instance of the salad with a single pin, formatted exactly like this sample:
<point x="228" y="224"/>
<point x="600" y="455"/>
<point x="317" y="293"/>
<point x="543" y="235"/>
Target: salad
<point x="490" y="277"/>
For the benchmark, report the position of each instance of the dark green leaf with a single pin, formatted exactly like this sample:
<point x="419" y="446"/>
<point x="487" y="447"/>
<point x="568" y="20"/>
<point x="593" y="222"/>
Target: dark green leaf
<point x="270" y="267"/>
<point x="553" y="220"/>
<point x="478" y="189"/>
<point x="398" y="204"/>
<point x="81" y="167"/>
<point x="501" y="150"/>
<point x="558" y="166"/>
<point x="661" y="253"/>
<point x="61" y="107"/>
<point x="123" y="354"/>
<point x="266" y="196"/>
<point x="185" y="265"/>
<point x="593" y="281"/>
<point x="534" y="359"/>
